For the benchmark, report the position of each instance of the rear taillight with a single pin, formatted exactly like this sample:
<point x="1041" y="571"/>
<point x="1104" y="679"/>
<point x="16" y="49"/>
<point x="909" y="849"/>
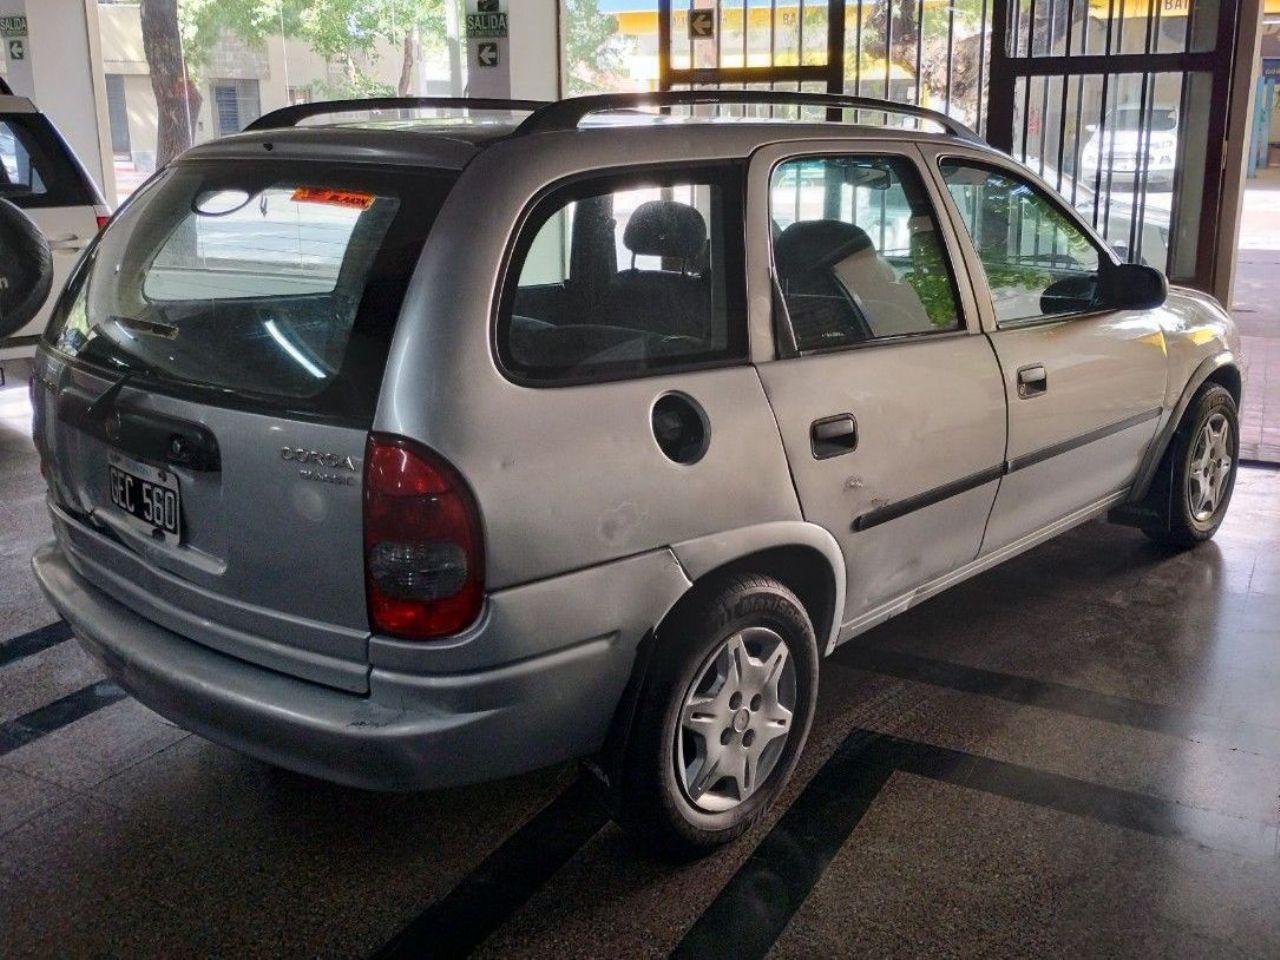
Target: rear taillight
<point x="103" y="220"/>
<point x="423" y="550"/>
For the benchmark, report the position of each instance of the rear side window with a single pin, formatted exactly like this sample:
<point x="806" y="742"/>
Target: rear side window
<point x="627" y="276"/>
<point x="257" y="284"/>
<point x="35" y="170"/>
<point x="857" y="252"/>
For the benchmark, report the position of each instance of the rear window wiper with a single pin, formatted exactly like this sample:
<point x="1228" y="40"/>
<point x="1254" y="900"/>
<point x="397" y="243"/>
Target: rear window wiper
<point x="108" y="396"/>
<point x="106" y="350"/>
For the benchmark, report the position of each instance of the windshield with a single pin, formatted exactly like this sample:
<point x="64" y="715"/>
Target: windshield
<point x="264" y="281"/>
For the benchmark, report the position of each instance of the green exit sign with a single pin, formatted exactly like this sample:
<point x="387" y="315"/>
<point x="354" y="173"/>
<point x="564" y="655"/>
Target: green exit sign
<point x="13" y="26"/>
<point x="486" y="24"/>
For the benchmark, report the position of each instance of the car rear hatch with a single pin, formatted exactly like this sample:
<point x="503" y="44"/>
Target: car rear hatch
<point x="204" y="398"/>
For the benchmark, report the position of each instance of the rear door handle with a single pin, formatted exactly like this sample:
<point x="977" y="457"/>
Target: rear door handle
<point x="832" y="436"/>
<point x="1033" y="380"/>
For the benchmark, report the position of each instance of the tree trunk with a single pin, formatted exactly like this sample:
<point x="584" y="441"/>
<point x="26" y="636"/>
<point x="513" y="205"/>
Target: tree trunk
<point x="177" y="99"/>
<point x="411" y="41"/>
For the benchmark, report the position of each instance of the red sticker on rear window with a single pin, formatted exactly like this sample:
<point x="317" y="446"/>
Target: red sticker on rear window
<point x="336" y="198"/>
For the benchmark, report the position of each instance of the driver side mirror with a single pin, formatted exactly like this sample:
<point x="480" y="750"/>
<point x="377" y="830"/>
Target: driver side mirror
<point x="1132" y="286"/>
<point x="26" y="269"/>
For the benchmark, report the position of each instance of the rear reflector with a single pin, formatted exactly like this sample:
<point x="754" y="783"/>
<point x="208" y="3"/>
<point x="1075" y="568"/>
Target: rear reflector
<point x="424" y="553"/>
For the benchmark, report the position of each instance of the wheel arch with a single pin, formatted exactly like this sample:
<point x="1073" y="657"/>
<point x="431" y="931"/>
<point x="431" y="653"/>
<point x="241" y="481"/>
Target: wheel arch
<point x="1222" y="368"/>
<point x="803" y="556"/>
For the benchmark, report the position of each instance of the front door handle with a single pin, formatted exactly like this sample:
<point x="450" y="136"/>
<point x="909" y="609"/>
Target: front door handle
<point x="832" y="436"/>
<point x="1033" y="380"/>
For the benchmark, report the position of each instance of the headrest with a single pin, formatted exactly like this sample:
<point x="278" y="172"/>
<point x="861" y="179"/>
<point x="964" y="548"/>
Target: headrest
<point x="665" y="228"/>
<point x="810" y="244"/>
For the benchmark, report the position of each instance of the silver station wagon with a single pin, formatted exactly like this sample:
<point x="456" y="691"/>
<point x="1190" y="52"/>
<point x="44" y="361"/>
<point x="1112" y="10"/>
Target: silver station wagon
<point x="416" y="443"/>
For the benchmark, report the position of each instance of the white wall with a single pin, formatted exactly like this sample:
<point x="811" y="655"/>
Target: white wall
<point x="529" y="56"/>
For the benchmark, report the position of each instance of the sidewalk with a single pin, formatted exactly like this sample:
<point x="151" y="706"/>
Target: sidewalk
<point x="1256" y="308"/>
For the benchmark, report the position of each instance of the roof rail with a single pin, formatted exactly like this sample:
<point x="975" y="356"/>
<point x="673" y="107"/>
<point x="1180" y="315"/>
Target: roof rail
<point x="292" y="116"/>
<point x="567" y="114"/>
<point x="5" y="89"/>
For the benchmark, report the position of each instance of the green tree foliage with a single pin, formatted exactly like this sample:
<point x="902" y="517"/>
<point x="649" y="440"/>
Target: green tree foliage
<point x="593" y="51"/>
<point x="346" y="32"/>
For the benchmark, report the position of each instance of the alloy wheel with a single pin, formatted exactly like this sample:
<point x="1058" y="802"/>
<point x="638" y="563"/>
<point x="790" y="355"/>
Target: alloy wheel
<point x="735" y="719"/>
<point x="1209" y="469"/>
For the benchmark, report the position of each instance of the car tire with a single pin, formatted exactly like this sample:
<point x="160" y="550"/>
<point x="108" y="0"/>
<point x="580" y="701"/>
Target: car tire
<point x="1204" y="455"/>
<point x="712" y="745"/>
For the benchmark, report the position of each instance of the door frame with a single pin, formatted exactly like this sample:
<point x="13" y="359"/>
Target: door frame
<point x="1008" y="68"/>
<point x="759" y="260"/>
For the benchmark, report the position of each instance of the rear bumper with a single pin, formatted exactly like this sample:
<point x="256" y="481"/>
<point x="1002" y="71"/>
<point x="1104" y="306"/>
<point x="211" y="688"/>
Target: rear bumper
<point x="414" y="730"/>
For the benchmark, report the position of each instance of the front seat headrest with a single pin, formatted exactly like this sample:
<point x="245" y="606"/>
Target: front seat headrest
<point x="665" y="228"/>
<point x="811" y="244"/>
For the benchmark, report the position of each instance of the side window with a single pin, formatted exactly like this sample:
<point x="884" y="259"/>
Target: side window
<point x="857" y="252"/>
<point x="20" y="173"/>
<point x="1038" y="261"/>
<point x="627" y="276"/>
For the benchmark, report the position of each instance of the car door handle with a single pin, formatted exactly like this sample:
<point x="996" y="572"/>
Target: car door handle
<point x="832" y="436"/>
<point x="70" y="241"/>
<point x="1033" y="380"/>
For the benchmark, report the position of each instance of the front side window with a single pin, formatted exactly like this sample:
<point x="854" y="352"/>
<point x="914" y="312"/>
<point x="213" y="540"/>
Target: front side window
<point x="627" y="276"/>
<point x="1039" y="262"/>
<point x="857" y="252"/>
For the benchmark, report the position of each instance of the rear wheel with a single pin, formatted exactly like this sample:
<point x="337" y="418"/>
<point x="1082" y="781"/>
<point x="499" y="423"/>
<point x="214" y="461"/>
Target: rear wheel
<point x="1205" y="452"/>
<point x="722" y="719"/>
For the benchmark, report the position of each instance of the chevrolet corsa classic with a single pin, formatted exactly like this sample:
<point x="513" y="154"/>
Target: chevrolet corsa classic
<point x="416" y="443"/>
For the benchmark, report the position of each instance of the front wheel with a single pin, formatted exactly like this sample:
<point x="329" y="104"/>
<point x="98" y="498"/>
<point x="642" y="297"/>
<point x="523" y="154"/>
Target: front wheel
<point x="722" y="719"/>
<point x="1205" y="453"/>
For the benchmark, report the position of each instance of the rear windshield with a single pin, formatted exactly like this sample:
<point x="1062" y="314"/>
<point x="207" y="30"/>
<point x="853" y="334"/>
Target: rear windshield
<point x="259" y="284"/>
<point x="36" y="169"/>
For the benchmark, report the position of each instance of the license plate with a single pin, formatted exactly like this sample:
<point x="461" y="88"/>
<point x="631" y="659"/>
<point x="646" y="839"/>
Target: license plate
<point x="147" y="496"/>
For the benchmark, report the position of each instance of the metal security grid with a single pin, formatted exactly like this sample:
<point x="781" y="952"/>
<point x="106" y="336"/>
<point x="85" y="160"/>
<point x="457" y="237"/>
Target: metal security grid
<point x="929" y="53"/>
<point x="801" y="46"/>
<point x="1103" y="98"/>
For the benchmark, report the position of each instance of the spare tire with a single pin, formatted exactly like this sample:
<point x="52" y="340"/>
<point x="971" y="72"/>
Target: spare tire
<point x="26" y="269"/>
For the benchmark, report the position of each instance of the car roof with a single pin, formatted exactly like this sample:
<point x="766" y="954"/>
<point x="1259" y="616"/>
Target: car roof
<point x="452" y="147"/>
<point x="447" y="133"/>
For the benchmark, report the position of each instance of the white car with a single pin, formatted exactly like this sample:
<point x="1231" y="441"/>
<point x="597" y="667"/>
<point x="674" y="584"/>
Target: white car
<point x="41" y="176"/>
<point x="1131" y="141"/>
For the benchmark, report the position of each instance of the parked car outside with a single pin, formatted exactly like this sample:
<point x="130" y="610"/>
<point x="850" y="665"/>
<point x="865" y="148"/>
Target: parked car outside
<point x="410" y="455"/>
<point x="1132" y="142"/>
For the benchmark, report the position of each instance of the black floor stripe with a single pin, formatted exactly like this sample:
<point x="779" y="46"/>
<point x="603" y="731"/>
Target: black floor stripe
<point x="457" y="923"/>
<point x="52" y="716"/>
<point x="26" y="644"/>
<point x="1024" y="691"/>
<point x="756" y="905"/>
